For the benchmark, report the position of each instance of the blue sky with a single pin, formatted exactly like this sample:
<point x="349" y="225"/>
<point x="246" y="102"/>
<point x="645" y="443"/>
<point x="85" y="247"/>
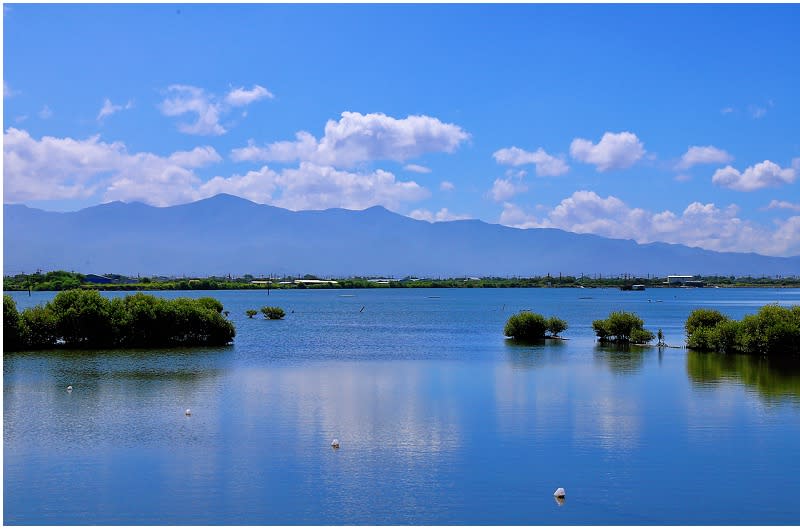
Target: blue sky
<point x="674" y="123"/>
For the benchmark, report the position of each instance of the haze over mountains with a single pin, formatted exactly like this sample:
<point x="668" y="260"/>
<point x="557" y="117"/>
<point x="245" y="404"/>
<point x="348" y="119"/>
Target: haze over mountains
<point x="229" y="235"/>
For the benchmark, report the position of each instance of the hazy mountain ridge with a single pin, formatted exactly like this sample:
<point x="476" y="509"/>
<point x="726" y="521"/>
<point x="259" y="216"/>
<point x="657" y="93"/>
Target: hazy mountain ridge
<point x="226" y="234"/>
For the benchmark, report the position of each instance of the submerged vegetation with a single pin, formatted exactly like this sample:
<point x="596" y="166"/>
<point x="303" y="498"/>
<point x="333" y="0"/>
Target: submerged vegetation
<point x="773" y="330"/>
<point x="529" y="326"/>
<point x="85" y="319"/>
<point x="622" y="328"/>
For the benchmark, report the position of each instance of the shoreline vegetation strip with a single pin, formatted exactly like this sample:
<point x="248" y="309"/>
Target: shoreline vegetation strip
<point x="62" y="280"/>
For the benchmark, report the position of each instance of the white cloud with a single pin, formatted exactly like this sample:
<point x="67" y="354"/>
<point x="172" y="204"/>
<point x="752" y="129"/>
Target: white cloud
<point x="699" y="225"/>
<point x="208" y="108"/>
<point x="703" y="155"/>
<point x="7" y="91"/>
<point x="311" y="186"/>
<point x="727" y="110"/>
<point x="757" y="112"/>
<point x="359" y="138"/>
<point x="239" y="97"/>
<point x="21" y="119"/>
<point x="45" y="112"/>
<point x="614" y="151"/>
<point x="443" y="215"/>
<point x="546" y="165"/>
<point x="760" y="175"/>
<point x="783" y="204"/>
<point x="447" y="186"/>
<point x="58" y="168"/>
<point x="109" y="108"/>
<point x="503" y="189"/>
<point x="414" y="168"/>
<point x="683" y="177"/>
<point x="193" y="100"/>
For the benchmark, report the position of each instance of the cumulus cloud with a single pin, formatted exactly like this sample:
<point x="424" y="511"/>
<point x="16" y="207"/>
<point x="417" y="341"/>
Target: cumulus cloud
<point x="207" y="108"/>
<point x="443" y="215"/>
<point x="546" y="165"/>
<point x="311" y="186"/>
<point x="447" y="186"/>
<point x="614" y="151"/>
<point x="357" y="138"/>
<point x="109" y="109"/>
<point x="239" y="97"/>
<point x="760" y="175"/>
<point x="504" y="189"/>
<point x="703" y="155"/>
<point x="699" y="225"/>
<point x="783" y="204"/>
<point x="57" y="168"/>
<point x="414" y="168"/>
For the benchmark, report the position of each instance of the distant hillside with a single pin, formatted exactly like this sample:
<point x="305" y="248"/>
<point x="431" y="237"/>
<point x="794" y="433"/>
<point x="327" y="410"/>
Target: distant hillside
<point x="230" y="235"/>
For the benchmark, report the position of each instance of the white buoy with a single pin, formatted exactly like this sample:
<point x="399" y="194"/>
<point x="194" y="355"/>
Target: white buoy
<point x="69" y="388"/>
<point x="335" y="443"/>
<point x="560" y="492"/>
<point x="187" y="412"/>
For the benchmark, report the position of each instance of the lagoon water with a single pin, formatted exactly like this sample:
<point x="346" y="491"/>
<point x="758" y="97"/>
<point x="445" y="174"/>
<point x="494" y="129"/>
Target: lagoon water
<point x="441" y="420"/>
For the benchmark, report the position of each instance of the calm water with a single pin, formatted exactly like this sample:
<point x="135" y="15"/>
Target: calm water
<point x="441" y="420"/>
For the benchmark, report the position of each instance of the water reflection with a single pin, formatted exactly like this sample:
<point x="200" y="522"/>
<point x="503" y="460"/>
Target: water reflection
<point x="534" y="354"/>
<point x="773" y="379"/>
<point x="621" y="359"/>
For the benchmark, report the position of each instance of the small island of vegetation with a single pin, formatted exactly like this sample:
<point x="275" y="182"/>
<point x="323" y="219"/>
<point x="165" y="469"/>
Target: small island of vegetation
<point x="529" y="326"/>
<point x="773" y="331"/>
<point x="87" y="320"/>
<point x="622" y="328"/>
<point x="273" y="313"/>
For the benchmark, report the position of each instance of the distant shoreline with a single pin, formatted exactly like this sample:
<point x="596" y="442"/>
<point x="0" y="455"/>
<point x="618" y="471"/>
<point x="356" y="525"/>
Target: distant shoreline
<point x="60" y="280"/>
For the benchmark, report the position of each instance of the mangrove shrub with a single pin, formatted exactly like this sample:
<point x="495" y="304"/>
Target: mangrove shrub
<point x="528" y="325"/>
<point x="774" y="330"/>
<point x="622" y="328"/>
<point x="85" y="319"/>
<point x="273" y="313"/>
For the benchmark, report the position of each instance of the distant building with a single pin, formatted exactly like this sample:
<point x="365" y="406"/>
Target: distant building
<point x="97" y="280"/>
<point x="680" y="281"/>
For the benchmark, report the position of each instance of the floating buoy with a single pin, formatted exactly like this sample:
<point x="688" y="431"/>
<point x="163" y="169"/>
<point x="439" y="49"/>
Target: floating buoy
<point x="188" y="412"/>
<point x="69" y="388"/>
<point x="335" y="443"/>
<point x="560" y="492"/>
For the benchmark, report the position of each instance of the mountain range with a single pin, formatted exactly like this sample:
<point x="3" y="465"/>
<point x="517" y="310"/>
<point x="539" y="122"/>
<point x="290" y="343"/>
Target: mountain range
<point x="230" y="235"/>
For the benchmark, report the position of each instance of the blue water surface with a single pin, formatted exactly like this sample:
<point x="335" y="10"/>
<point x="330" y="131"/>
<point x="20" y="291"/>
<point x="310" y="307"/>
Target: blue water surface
<point x="441" y="420"/>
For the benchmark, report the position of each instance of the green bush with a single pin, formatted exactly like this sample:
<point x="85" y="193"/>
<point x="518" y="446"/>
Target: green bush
<point x="556" y="325"/>
<point x="526" y="325"/>
<point x="251" y="312"/>
<point x="12" y="325"/>
<point x="622" y="328"/>
<point x="703" y="318"/>
<point x="273" y="313"/>
<point x="529" y="326"/>
<point x="774" y="330"/>
<point x="85" y="319"/>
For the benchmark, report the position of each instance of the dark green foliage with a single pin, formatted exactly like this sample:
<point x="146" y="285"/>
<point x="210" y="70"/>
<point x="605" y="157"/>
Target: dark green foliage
<point x="622" y="328"/>
<point x="556" y="325"/>
<point x="12" y="325"/>
<point x="251" y="312"/>
<point x="703" y="318"/>
<point x="526" y="326"/>
<point x="85" y="319"/>
<point x="774" y="330"/>
<point x="273" y="313"/>
<point x="529" y="326"/>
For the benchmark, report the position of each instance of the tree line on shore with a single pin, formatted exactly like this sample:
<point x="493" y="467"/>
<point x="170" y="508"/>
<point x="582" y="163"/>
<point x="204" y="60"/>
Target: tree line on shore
<point x="62" y="280"/>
